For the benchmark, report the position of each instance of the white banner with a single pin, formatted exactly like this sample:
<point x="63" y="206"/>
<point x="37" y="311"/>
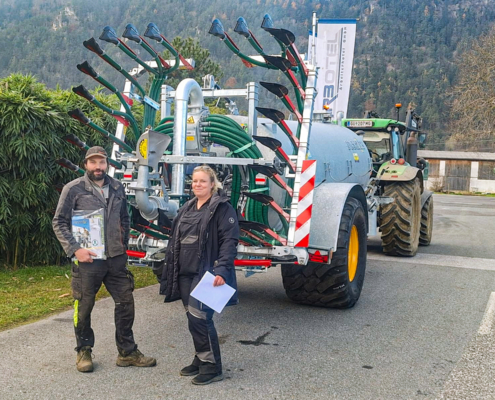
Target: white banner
<point x="334" y="56"/>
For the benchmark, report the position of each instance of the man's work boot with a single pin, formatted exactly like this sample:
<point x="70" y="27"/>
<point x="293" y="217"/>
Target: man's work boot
<point x="84" y="362"/>
<point x="135" y="359"/>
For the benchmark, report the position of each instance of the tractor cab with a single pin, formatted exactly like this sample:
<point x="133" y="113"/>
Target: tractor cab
<point x="390" y="140"/>
<point x="384" y="138"/>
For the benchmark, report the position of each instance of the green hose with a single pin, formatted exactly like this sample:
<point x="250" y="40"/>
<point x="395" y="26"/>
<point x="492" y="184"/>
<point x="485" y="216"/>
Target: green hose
<point x="164" y="126"/>
<point x="223" y="119"/>
<point x="234" y="140"/>
<point x="166" y="119"/>
<point x="227" y="132"/>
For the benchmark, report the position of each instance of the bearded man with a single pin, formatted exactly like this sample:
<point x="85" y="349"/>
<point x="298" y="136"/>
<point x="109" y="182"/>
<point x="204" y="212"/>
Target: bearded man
<point x="98" y="194"/>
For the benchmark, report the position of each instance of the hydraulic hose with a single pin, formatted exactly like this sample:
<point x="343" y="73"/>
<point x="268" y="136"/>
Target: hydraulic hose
<point x="149" y="111"/>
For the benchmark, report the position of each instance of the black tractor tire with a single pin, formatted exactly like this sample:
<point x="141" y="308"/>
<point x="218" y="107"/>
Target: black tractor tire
<point x="400" y="220"/>
<point x="338" y="284"/>
<point x="426" y="230"/>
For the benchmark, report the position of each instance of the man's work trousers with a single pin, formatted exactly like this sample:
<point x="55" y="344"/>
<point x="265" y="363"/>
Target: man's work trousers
<point x="202" y="329"/>
<point x="86" y="281"/>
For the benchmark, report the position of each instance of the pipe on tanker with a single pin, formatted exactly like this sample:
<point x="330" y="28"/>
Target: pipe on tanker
<point x="187" y="90"/>
<point x="149" y="205"/>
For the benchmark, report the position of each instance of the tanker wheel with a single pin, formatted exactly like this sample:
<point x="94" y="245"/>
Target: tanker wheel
<point x="400" y="220"/>
<point x="426" y="230"/>
<point x="339" y="284"/>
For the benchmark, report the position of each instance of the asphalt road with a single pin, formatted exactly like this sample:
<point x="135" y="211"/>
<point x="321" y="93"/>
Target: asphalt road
<point x="422" y="329"/>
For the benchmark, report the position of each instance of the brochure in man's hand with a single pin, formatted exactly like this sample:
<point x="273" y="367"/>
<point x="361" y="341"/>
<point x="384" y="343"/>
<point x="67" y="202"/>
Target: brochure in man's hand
<point x="88" y="230"/>
<point x="215" y="297"/>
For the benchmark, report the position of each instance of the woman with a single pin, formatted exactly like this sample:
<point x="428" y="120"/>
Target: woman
<point x="204" y="238"/>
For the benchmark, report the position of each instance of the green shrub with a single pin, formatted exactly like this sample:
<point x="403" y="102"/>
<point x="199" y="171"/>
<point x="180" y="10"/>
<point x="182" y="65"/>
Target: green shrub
<point x="33" y="121"/>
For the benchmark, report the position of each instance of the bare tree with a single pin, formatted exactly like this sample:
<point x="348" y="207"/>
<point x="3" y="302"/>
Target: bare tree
<point x="473" y="106"/>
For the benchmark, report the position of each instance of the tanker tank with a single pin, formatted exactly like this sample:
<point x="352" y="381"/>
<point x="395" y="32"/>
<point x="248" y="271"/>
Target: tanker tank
<point x="341" y="155"/>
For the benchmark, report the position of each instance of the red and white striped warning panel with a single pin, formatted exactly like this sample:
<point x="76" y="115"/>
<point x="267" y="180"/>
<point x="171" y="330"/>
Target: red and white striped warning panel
<point x="305" y="203"/>
<point x="260" y="179"/>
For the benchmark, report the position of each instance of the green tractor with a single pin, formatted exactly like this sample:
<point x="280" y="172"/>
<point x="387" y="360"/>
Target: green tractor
<point x="405" y="211"/>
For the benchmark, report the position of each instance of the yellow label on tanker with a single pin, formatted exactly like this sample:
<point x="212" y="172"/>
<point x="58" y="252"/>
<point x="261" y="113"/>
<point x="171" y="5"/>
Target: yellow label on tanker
<point x="190" y="120"/>
<point x="143" y="148"/>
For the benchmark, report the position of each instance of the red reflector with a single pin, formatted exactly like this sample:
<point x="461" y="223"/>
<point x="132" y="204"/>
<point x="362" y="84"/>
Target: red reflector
<point x="253" y="263"/>
<point x="393" y="161"/>
<point x="127" y="176"/>
<point x="401" y="161"/>
<point x="127" y="99"/>
<point x="136" y="254"/>
<point x="317" y="257"/>
<point x="395" y="176"/>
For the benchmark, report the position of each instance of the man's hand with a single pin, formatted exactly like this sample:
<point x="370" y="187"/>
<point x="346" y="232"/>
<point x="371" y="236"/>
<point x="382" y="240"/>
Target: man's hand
<point x="84" y="255"/>
<point x="219" y="281"/>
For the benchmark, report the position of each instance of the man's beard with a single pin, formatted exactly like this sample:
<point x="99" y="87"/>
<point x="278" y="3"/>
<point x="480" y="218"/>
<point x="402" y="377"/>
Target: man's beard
<point x="94" y="178"/>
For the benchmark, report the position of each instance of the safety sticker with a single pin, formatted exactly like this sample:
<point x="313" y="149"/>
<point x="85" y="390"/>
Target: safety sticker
<point x="143" y="148"/>
<point x="190" y="120"/>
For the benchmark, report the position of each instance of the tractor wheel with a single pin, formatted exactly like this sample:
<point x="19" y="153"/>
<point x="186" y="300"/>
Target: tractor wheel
<point x="339" y="284"/>
<point x="400" y="220"/>
<point x="426" y="229"/>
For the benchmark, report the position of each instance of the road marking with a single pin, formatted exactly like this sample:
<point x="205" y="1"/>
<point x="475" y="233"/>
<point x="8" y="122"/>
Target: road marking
<point x="485" y="264"/>
<point x="487" y="321"/>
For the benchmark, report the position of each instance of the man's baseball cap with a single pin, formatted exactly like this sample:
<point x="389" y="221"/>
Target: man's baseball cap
<point x="96" y="151"/>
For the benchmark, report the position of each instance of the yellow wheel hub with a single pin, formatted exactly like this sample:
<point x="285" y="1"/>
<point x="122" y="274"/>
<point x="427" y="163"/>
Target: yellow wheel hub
<point x="353" y="255"/>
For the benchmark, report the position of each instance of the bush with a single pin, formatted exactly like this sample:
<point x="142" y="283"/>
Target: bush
<point x="33" y="121"/>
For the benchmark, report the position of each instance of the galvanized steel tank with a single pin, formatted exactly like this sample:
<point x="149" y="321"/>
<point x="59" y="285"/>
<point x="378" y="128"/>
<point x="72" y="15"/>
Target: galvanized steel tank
<point x="341" y="154"/>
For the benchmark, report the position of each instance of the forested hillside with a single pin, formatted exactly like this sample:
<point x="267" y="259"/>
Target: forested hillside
<point x="405" y="50"/>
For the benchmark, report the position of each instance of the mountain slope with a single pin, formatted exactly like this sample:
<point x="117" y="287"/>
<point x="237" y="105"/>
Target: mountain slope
<point x="405" y="50"/>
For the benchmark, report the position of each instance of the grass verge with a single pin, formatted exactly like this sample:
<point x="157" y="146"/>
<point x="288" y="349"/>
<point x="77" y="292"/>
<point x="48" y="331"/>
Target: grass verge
<point x="30" y="294"/>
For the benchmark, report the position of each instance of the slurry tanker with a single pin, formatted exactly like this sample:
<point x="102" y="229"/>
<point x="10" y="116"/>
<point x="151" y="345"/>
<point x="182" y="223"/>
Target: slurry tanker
<point x="304" y="191"/>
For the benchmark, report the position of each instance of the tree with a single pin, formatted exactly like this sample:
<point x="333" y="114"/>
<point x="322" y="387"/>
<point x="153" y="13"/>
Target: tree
<point x="473" y="106"/>
<point x="190" y="48"/>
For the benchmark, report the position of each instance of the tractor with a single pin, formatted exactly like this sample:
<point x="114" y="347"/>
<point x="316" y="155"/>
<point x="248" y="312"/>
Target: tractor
<point x="405" y="209"/>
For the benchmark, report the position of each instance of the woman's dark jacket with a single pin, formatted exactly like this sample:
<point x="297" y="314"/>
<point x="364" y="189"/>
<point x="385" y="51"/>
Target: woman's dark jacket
<point x="218" y="239"/>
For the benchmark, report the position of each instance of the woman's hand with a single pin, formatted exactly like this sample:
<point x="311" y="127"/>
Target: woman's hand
<point x="219" y="281"/>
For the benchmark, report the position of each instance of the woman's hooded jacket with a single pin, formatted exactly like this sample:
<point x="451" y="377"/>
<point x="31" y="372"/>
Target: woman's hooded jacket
<point x="218" y="239"/>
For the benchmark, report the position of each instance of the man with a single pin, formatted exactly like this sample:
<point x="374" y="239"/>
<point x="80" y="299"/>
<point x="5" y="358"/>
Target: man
<point x="97" y="192"/>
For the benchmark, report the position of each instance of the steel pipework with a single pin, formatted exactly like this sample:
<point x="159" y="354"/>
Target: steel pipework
<point x="188" y="90"/>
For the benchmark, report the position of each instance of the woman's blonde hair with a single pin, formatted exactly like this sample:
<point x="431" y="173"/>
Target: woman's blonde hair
<point x="213" y="176"/>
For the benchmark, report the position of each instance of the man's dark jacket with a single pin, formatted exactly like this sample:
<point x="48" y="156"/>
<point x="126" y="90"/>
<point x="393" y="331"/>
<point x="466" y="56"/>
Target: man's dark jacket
<point x="218" y="239"/>
<point x="80" y="194"/>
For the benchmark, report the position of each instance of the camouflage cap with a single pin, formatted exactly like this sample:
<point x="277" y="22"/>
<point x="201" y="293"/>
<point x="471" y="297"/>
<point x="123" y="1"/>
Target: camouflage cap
<point x="96" y="151"/>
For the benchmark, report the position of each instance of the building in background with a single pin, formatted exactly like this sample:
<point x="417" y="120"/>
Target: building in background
<point x="456" y="171"/>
